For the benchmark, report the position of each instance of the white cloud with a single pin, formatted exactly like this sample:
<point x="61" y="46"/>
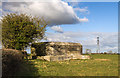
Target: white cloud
<point x="63" y="0"/>
<point x="0" y="8"/>
<point x="107" y="48"/>
<point x="85" y="9"/>
<point x="57" y="29"/>
<point x="83" y="19"/>
<point x="31" y="0"/>
<point x="108" y="41"/>
<point x="56" y="13"/>
<point x="60" y="37"/>
<point x="81" y="10"/>
<point x="74" y="4"/>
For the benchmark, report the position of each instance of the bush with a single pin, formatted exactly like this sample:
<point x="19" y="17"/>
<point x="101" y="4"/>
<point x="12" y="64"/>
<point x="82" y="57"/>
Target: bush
<point x="11" y="61"/>
<point x="38" y="49"/>
<point x="18" y="30"/>
<point x="25" y="55"/>
<point x="34" y="57"/>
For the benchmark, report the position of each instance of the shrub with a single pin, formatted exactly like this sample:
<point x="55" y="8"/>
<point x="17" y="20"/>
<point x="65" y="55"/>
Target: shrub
<point x="38" y="49"/>
<point x="25" y="55"/>
<point x="18" y="30"/>
<point x="11" y="61"/>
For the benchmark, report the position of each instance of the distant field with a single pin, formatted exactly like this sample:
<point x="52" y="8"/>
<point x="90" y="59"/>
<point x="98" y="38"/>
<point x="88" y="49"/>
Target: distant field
<point x="99" y="65"/>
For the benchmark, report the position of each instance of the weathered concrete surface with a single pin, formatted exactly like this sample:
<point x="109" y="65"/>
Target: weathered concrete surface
<point x="48" y="58"/>
<point x="63" y="57"/>
<point x="58" y="51"/>
<point x="57" y="48"/>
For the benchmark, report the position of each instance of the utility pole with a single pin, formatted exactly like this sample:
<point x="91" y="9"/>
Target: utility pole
<point x="98" y="47"/>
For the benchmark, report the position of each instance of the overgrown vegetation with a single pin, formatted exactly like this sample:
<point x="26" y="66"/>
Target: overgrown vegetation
<point x="18" y="30"/>
<point x="39" y="49"/>
<point x="99" y="65"/>
<point x="11" y="61"/>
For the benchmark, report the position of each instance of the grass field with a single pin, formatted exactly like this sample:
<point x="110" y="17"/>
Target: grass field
<point x="99" y="65"/>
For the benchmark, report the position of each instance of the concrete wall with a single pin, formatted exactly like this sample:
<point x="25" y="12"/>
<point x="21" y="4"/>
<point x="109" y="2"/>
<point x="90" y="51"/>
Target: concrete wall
<point x="57" y="48"/>
<point x="63" y="57"/>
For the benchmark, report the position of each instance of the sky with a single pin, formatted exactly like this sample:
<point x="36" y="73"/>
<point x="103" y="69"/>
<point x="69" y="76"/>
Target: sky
<point x="102" y="21"/>
<point x="78" y="22"/>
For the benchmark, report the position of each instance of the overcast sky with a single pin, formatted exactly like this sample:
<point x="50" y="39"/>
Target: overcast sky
<point x="79" y="22"/>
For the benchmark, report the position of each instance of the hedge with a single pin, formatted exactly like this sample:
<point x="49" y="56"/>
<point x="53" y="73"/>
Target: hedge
<point x="11" y="62"/>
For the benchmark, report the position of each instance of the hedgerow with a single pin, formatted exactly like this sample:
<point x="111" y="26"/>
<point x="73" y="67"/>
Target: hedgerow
<point x="11" y="62"/>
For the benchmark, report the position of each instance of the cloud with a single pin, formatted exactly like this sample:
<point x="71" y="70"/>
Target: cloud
<point x="0" y="8"/>
<point x="84" y="19"/>
<point x="59" y="37"/>
<point x="85" y="9"/>
<point x="57" y="29"/>
<point x="81" y="10"/>
<point x="108" y="41"/>
<point x="74" y="4"/>
<point x="56" y="13"/>
<point x="31" y="0"/>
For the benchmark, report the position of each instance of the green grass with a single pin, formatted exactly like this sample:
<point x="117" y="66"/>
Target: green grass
<point x="97" y="66"/>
